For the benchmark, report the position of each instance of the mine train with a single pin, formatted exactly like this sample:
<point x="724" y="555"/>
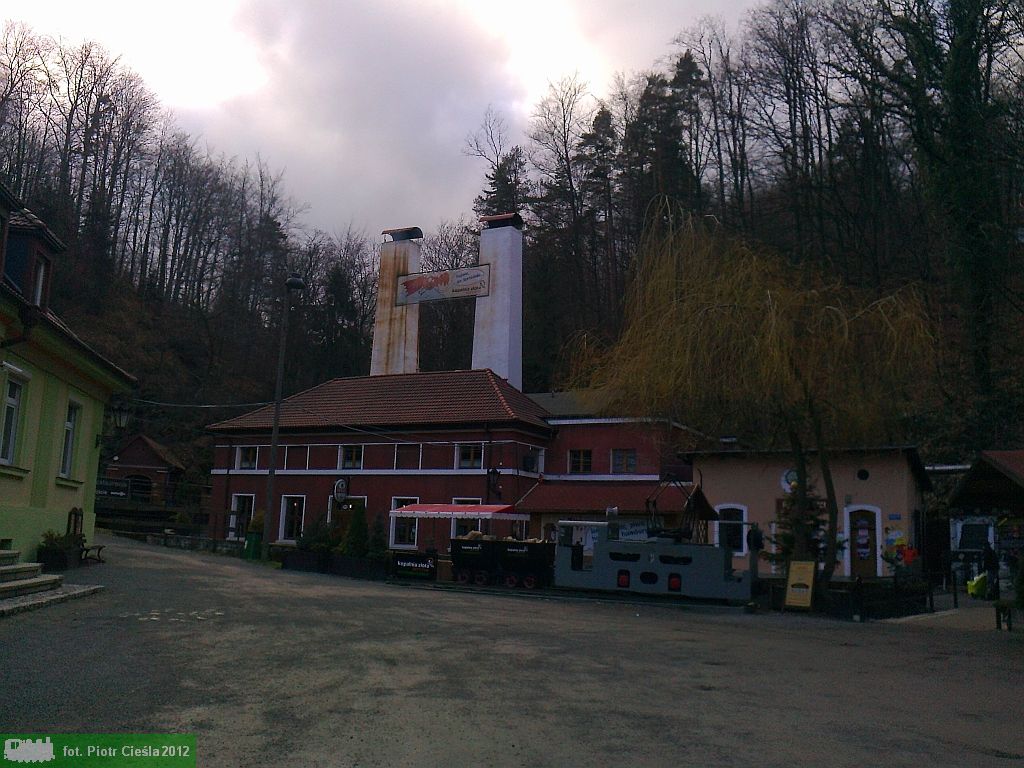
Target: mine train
<point x="589" y="555"/>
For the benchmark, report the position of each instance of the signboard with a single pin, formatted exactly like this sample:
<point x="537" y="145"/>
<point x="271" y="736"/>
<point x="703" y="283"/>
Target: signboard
<point x="800" y="586"/>
<point x="448" y="284"/>
<point x="415" y="565"/>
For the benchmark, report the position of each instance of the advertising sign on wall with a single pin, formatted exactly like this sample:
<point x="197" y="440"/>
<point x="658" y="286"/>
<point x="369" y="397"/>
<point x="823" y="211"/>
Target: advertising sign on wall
<point x="448" y="284"/>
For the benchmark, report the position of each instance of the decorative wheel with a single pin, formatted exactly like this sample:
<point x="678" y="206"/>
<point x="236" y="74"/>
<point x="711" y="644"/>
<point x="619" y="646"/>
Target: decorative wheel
<point x="481" y="578"/>
<point x="462" y="577"/>
<point x="530" y="581"/>
<point x="511" y="581"/>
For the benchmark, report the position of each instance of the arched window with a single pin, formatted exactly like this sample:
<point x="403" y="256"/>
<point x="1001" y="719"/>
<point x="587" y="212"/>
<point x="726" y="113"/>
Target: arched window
<point x="140" y="488"/>
<point x="730" y="530"/>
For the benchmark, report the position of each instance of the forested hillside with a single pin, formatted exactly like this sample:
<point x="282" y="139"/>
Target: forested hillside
<point x="882" y="140"/>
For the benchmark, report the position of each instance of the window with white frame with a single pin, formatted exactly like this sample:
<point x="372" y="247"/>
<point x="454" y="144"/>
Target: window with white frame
<point x="241" y="515"/>
<point x="14" y="395"/>
<point x="403" y="529"/>
<point x="623" y="461"/>
<point x="730" y="530"/>
<point x="71" y="422"/>
<point x="471" y="455"/>
<point x="532" y="460"/>
<point x="39" y="275"/>
<point x="246" y="457"/>
<point x="293" y="513"/>
<point x="581" y="461"/>
<point x="463" y="525"/>
<point x="351" y="457"/>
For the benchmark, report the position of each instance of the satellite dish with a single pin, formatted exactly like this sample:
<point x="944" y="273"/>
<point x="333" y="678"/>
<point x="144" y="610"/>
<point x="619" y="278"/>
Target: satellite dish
<point x="340" y="489"/>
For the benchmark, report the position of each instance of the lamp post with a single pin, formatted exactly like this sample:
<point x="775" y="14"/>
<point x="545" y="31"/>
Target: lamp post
<point x="293" y="283"/>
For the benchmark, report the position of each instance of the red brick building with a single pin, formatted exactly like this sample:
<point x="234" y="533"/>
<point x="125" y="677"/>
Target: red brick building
<point x="453" y="437"/>
<point x="146" y="470"/>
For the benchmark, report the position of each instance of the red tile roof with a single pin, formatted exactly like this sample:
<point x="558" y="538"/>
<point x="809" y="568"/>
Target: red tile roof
<point x="575" y="496"/>
<point x="1011" y="463"/>
<point x="443" y="398"/>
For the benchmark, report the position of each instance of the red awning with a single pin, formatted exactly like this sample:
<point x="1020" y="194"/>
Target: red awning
<point x="460" y="511"/>
<point x="596" y="497"/>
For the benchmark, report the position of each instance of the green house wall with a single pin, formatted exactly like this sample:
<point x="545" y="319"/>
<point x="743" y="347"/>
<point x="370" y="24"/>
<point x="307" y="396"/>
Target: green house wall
<point x="34" y="497"/>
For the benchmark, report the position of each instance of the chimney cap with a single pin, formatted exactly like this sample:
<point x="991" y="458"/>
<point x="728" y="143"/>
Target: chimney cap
<point x="403" y="233"/>
<point x="502" y="220"/>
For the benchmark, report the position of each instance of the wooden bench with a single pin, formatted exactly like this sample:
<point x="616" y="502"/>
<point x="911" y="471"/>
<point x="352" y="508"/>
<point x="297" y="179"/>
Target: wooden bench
<point x="93" y="553"/>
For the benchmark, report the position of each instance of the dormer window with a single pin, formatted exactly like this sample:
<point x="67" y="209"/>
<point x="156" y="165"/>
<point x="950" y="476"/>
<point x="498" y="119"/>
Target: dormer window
<point x="40" y="279"/>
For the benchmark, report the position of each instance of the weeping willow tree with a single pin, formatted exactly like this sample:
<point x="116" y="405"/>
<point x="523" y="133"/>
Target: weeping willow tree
<point x="728" y="339"/>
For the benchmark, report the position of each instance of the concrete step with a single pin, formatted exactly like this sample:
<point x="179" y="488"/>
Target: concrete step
<point x="9" y="556"/>
<point x="29" y="586"/>
<point x="20" y="571"/>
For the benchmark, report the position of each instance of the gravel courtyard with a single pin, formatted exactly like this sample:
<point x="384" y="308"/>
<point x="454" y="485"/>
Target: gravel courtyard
<point x="290" y="669"/>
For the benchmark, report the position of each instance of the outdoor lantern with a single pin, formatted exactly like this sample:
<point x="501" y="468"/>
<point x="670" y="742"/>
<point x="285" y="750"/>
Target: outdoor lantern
<point x="119" y="413"/>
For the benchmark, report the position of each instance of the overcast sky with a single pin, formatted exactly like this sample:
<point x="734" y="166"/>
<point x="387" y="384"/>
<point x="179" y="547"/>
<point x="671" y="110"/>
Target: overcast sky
<point x="365" y="104"/>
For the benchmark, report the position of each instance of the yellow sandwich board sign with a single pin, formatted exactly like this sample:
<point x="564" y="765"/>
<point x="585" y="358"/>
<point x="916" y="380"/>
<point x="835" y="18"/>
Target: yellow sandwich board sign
<point x="800" y="586"/>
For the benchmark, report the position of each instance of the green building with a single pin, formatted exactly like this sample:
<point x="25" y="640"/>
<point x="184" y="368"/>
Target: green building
<point x="54" y="392"/>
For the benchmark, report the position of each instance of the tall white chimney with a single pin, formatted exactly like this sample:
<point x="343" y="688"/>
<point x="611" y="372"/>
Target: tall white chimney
<point x="396" y="328"/>
<point x="498" y="332"/>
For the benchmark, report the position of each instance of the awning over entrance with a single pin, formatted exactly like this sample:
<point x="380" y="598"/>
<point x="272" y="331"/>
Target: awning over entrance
<point x="460" y="512"/>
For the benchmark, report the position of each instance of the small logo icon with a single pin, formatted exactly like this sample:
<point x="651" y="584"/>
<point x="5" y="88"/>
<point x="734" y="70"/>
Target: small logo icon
<point x="28" y="751"/>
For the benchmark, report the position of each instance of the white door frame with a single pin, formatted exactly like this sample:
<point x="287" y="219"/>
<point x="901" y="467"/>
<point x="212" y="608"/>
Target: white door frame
<point x="281" y="516"/>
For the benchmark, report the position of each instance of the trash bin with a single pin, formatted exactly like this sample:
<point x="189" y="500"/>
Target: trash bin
<point x="978" y="586"/>
<point x="253" y="546"/>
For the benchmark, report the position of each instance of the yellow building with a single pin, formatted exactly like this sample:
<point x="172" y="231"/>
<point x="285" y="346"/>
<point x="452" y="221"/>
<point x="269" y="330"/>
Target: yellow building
<point x="54" y="391"/>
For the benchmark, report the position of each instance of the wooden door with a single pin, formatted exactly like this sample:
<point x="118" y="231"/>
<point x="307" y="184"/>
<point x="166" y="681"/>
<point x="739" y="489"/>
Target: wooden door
<point x="863" y="543"/>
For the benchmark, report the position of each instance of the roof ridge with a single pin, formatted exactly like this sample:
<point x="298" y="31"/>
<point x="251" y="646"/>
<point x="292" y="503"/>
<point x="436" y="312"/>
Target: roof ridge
<point x="501" y="395"/>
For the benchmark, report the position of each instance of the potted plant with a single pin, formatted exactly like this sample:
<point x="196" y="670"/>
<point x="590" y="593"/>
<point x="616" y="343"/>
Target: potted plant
<point x="58" y="552"/>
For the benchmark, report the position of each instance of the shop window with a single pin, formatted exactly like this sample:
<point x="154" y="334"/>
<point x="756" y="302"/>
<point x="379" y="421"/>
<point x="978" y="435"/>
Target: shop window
<point x="730" y="528"/>
<point x="403" y="529"/>
<point x="581" y="461"/>
<point x="623" y="461"/>
<point x="462" y="526"/>
<point x="351" y="457"/>
<point x="471" y="456"/>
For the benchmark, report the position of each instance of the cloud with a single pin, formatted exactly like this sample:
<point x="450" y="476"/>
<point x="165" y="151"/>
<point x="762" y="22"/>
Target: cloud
<point x="366" y="108"/>
<point x="365" y="105"/>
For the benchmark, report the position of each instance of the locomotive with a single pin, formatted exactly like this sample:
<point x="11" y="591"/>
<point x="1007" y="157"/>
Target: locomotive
<point x="589" y="555"/>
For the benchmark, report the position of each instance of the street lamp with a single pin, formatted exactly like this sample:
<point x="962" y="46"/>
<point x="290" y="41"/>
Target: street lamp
<point x="293" y="283"/>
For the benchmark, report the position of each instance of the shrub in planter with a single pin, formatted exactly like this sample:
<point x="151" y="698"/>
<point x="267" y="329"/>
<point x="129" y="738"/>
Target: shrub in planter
<point x="57" y="552"/>
<point x="313" y="548"/>
<point x="356" y="542"/>
<point x="378" y="547"/>
<point x="356" y="567"/>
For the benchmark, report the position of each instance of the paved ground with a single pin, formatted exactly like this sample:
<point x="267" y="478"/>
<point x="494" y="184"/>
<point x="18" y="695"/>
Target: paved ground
<point x="290" y="669"/>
